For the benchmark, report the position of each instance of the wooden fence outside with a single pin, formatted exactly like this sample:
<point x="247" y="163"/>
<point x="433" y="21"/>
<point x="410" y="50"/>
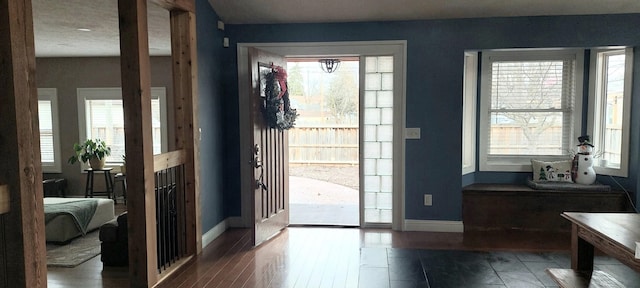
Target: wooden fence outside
<point x="339" y="144"/>
<point x="323" y="145"/>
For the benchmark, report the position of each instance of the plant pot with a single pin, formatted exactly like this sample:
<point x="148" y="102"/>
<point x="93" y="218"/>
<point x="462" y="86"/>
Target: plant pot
<point x="96" y="163"/>
<point x="123" y="169"/>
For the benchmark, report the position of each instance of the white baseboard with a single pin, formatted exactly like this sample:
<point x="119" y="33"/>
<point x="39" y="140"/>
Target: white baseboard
<point x="433" y="226"/>
<point x="409" y="225"/>
<point x="215" y="232"/>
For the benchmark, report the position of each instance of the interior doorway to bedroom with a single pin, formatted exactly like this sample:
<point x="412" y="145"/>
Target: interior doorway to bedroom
<point x="93" y="84"/>
<point x="324" y="145"/>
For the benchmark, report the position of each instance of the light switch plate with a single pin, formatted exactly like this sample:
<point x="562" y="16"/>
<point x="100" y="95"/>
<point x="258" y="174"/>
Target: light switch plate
<point x="412" y="133"/>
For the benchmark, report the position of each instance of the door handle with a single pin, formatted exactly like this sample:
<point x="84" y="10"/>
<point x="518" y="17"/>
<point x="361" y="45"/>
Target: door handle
<point x="256" y="162"/>
<point x="260" y="184"/>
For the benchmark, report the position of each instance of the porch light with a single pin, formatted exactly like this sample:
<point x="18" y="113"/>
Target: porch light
<point x="329" y="65"/>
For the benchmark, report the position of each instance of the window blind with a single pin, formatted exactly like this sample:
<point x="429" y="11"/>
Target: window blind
<point x="531" y="107"/>
<point x="45" y="117"/>
<point x="105" y="119"/>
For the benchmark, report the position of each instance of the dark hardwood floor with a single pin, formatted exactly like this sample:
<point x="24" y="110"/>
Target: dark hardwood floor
<point x="350" y="257"/>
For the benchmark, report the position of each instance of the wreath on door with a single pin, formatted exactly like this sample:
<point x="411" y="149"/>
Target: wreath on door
<point x="277" y="110"/>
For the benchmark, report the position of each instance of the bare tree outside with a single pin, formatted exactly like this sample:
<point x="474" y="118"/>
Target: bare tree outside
<point x="295" y="81"/>
<point x="340" y="100"/>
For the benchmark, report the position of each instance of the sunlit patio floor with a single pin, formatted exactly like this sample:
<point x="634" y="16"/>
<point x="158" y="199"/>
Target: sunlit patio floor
<point x="316" y="202"/>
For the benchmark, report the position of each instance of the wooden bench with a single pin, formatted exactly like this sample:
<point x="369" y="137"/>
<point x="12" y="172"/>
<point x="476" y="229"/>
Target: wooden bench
<point x="501" y="207"/>
<point x="569" y="278"/>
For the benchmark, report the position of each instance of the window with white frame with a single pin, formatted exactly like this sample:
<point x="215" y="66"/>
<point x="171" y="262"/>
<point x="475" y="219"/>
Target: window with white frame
<point x="609" y="108"/>
<point x="101" y="115"/>
<point x="530" y="106"/>
<point x="469" y="99"/>
<point x="49" y="132"/>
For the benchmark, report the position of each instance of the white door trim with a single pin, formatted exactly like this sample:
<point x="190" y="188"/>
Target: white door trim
<point x="397" y="48"/>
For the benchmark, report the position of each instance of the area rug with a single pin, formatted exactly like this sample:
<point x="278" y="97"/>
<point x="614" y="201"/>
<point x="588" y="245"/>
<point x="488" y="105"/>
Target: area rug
<point x="76" y="252"/>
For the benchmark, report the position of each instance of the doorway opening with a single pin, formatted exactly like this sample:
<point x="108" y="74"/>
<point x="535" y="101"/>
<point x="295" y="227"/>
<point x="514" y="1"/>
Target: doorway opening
<point x="381" y="124"/>
<point x="324" y="146"/>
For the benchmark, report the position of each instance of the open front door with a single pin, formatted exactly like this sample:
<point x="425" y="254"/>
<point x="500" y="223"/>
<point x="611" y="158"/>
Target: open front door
<point x="270" y="155"/>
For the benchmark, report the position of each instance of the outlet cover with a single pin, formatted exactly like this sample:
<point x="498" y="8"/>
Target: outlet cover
<point x="428" y="199"/>
<point x="412" y="133"/>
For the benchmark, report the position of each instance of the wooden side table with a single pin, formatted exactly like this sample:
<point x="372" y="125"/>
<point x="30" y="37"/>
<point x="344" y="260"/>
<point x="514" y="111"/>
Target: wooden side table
<point x="108" y="180"/>
<point x="615" y="234"/>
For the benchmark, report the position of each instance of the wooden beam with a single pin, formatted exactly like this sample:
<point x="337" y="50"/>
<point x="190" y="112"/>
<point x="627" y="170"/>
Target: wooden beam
<point x="136" y="96"/>
<point x="167" y="160"/>
<point x="22" y="245"/>
<point x="185" y="79"/>
<point x="176" y="5"/>
<point x="4" y="199"/>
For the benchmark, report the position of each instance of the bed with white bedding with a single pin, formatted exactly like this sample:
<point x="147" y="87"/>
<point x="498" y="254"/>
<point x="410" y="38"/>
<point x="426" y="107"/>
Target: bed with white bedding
<point x="67" y="218"/>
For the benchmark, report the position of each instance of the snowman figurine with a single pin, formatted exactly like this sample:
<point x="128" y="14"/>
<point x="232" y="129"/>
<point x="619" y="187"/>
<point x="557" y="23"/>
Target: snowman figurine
<point x="583" y="162"/>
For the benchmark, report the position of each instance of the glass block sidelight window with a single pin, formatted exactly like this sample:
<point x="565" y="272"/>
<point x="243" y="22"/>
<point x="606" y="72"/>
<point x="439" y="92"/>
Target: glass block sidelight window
<point x="378" y="139"/>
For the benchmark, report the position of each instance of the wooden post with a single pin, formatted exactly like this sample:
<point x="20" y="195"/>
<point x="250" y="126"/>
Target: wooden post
<point x="22" y="239"/>
<point x="5" y="199"/>
<point x="183" y="48"/>
<point x="136" y="97"/>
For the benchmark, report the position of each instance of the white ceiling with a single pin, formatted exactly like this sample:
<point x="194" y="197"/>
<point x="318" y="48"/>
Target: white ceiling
<point x="56" y="22"/>
<point x="55" y="25"/>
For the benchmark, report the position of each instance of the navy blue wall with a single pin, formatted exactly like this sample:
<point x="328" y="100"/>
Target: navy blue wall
<point x="433" y="89"/>
<point x="209" y="45"/>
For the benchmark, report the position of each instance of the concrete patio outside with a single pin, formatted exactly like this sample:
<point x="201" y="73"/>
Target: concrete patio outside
<point x="324" y="195"/>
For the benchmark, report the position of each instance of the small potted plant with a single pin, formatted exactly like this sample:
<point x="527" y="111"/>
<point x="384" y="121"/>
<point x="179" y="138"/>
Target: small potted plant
<point x="94" y="151"/>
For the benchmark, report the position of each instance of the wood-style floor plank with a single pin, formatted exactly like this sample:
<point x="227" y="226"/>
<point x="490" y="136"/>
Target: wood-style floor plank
<point x="241" y="260"/>
<point x="304" y="257"/>
<point x="212" y="260"/>
<point x="259" y="271"/>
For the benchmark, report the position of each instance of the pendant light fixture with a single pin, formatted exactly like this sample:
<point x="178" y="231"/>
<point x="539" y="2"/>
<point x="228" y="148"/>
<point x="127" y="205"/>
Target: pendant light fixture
<point x="329" y="65"/>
